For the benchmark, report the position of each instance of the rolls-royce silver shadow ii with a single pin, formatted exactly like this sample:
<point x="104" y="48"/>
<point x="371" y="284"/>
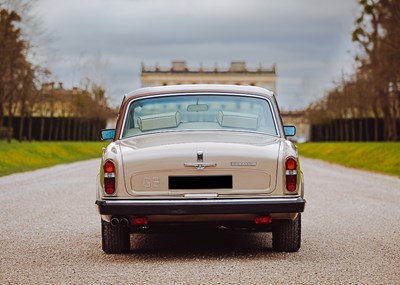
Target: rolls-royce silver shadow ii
<point x="201" y="156"/>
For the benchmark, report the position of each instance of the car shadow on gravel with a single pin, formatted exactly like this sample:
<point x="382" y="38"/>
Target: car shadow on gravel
<point x="209" y="243"/>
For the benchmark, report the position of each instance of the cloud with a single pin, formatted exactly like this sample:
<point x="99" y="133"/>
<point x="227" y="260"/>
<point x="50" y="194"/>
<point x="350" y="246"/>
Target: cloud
<point x="302" y="37"/>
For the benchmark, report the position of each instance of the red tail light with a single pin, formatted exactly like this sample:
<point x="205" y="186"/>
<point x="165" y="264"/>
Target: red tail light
<point x="109" y="167"/>
<point x="291" y="174"/>
<point x="139" y="221"/>
<point x="109" y="177"/>
<point x="262" y="220"/>
<point x="291" y="164"/>
<point x="109" y="185"/>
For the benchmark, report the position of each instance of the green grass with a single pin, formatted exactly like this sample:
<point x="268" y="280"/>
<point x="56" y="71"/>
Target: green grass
<point x="19" y="157"/>
<point x="377" y="157"/>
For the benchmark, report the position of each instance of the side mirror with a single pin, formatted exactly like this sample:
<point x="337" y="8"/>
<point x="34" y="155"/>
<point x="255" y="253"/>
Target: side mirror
<point x="107" y="134"/>
<point x="290" y="131"/>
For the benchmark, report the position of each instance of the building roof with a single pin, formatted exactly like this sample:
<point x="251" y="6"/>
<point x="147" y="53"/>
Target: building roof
<point x="234" y="68"/>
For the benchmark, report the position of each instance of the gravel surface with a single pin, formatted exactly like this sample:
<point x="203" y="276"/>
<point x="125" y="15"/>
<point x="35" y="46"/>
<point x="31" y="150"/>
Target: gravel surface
<point x="50" y="234"/>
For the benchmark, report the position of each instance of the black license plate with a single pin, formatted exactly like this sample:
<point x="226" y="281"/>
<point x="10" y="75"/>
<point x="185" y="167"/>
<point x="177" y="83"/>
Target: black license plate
<point x="200" y="182"/>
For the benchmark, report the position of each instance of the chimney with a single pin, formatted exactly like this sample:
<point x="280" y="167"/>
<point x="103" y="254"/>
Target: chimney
<point x="179" y="66"/>
<point x="238" y="66"/>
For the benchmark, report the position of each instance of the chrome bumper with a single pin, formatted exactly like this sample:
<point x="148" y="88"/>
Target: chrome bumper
<point x="201" y="206"/>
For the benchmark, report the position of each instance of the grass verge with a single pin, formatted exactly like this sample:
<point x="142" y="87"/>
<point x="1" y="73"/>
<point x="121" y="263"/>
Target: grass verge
<point x="19" y="157"/>
<point x="381" y="157"/>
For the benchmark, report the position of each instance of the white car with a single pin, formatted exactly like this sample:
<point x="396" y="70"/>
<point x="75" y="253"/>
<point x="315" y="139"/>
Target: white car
<point x="200" y="156"/>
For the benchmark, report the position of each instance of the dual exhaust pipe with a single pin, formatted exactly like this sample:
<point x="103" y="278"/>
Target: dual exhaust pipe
<point x="119" y="222"/>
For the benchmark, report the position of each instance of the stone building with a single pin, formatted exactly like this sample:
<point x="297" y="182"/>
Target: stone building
<point x="237" y="74"/>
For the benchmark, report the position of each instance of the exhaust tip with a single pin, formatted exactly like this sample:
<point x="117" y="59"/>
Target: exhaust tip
<point x="114" y="222"/>
<point x="124" y="222"/>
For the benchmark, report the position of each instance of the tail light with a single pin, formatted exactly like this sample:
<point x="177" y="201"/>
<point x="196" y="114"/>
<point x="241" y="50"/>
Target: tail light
<point x="139" y="221"/>
<point x="109" y="177"/>
<point x="262" y="220"/>
<point x="291" y="174"/>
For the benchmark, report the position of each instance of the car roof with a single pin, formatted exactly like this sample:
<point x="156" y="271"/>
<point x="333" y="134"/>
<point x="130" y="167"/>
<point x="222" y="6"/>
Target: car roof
<point x="199" y="88"/>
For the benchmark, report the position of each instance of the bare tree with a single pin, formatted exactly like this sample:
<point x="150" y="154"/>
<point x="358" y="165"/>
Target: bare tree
<point x="374" y="90"/>
<point x="378" y="33"/>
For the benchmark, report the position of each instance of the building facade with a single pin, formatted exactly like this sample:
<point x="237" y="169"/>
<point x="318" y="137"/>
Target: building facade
<point x="236" y="74"/>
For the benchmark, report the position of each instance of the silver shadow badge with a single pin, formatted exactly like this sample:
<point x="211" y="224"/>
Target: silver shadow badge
<point x="200" y="165"/>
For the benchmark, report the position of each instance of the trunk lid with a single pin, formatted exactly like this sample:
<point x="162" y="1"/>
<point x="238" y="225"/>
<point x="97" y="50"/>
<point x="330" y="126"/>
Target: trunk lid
<point x="189" y="164"/>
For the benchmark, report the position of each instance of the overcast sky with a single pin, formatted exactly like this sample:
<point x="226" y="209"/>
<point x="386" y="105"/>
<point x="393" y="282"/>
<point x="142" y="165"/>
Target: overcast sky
<point x="106" y="40"/>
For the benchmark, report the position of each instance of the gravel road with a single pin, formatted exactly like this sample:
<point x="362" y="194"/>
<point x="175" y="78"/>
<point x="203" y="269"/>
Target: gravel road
<point x="50" y="234"/>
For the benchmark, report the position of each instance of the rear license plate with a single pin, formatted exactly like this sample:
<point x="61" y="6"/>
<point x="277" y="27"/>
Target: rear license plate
<point x="200" y="182"/>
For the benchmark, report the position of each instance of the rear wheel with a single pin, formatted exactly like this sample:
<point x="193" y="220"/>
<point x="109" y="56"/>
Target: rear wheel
<point x="115" y="239"/>
<point x="286" y="235"/>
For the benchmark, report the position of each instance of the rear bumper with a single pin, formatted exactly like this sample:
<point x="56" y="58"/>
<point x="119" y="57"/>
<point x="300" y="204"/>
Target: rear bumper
<point x="201" y="206"/>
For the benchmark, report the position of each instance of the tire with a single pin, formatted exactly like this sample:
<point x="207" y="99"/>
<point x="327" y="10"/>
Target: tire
<point x="115" y="239"/>
<point x="286" y="235"/>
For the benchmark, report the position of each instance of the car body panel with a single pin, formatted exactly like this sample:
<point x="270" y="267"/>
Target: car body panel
<point x="149" y="161"/>
<point x="145" y="162"/>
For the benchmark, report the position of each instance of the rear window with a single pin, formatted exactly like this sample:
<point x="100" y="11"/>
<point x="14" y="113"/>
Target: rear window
<point x="199" y="112"/>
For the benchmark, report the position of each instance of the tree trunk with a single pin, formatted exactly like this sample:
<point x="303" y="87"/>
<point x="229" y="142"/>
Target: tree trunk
<point x="346" y="130"/>
<point x="389" y="125"/>
<point x="30" y="127"/>
<point x="75" y="133"/>
<point x="9" y="128"/>
<point x="336" y="133"/>
<point x="1" y="115"/>
<point x="57" y="130"/>
<point x="50" y="135"/>
<point x="21" y="127"/>
<point x="62" y="129"/>
<point x="94" y="130"/>
<point x="367" y="130"/>
<point x="80" y="130"/>
<point x="376" y="129"/>
<point x="10" y="121"/>
<point x="42" y="125"/>
<point x="88" y="130"/>
<point x="69" y="129"/>
<point x="341" y="130"/>
<point x="22" y="121"/>
<point x="353" y="129"/>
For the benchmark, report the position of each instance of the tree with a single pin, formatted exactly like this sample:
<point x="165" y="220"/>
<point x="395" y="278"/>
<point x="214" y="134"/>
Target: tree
<point x="372" y="92"/>
<point x="377" y="32"/>
<point x="12" y="63"/>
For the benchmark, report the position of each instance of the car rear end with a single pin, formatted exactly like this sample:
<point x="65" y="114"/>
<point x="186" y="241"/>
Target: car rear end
<point x="232" y="177"/>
